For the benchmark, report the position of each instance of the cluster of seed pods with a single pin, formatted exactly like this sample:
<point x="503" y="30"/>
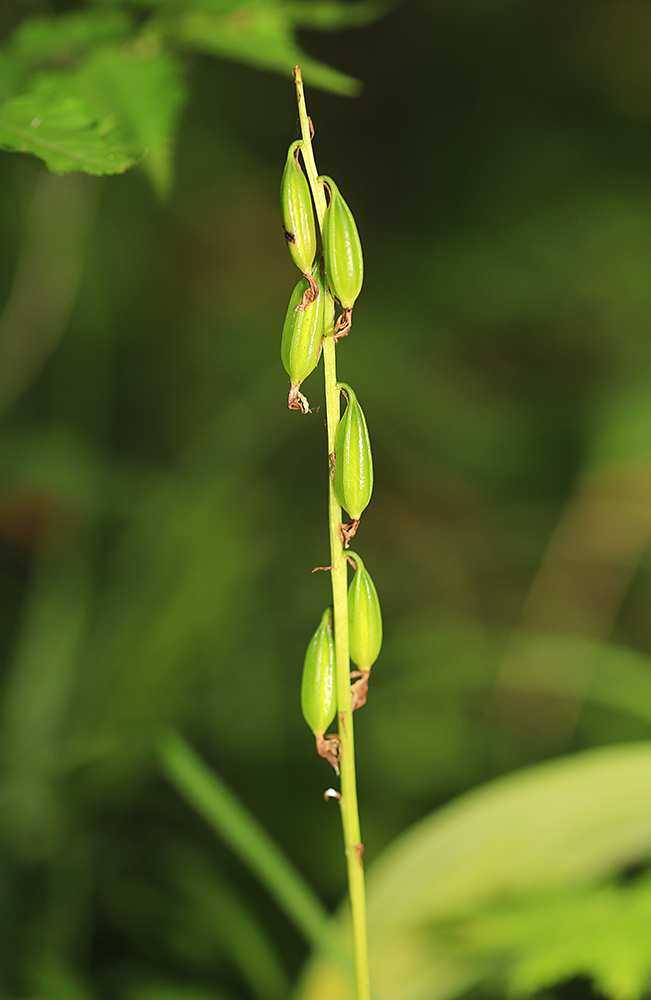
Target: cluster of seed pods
<point x="340" y="266"/>
<point x="318" y="687"/>
<point x="339" y="271"/>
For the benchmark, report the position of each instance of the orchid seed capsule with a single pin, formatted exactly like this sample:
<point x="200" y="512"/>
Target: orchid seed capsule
<point x="364" y="617"/>
<point x="342" y="248"/>
<point x="300" y="347"/>
<point x="342" y="251"/>
<point x="318" y="693"/>
<point x="353" y="478"/>
<point x="297" y="212"/>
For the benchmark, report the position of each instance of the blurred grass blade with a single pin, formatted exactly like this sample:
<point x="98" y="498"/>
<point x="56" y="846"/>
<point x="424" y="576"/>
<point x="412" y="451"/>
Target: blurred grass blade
<point x="164" y="990"/>
<point x="39" y="692"/>
<point x="226" y="815"/>
<point x="46" y="280"/>
<point x="211" y="909"/>
<point x="580" y="668"/>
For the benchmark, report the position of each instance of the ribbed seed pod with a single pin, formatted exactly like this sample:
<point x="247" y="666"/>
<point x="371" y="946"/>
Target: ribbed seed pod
<point x="342" y="248"/>
<point x="318" y="690"/>
<point x="318" y="694"/>
<point x="364" y="617"/>
<point x="297" y="212"/>
<point x="353" y="478"/>
<point x="342" y="252"/>
<point x="303" y="330"/>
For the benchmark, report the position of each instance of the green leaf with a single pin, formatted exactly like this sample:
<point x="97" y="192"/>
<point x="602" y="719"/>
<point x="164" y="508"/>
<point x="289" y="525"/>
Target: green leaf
<point x="601" y="933"/>
<point x="144" y="89"/>
<point x="58" y="116"/>
<point x="12" y="74"/>
<point x="60" y="39"/>
<point x="117" y="106"/>
<point x="564" y="825"/>
<point x="329" y="15"/>
<point x="57" y="126"/>
<point x="259" y="34"/>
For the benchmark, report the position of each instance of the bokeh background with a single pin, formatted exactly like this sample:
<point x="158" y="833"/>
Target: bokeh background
<point x="161" y="510"/>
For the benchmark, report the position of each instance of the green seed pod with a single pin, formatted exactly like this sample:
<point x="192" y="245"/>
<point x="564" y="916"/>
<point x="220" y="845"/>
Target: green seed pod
<point x="342" y="249"/>
<point x="300" y="347"/>
<point x="353" y="479"/>
<point x="297" y="212"/>
<point x="364" y="618"/>
<point x="318" y="694"/>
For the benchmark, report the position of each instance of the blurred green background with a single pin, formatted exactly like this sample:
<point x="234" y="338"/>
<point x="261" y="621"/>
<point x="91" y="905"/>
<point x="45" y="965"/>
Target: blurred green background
<point x="161" y="510"/>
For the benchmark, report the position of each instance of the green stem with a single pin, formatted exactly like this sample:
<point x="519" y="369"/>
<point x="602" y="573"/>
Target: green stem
<point x="339" y="574"/>
<point x="308" y="155"/>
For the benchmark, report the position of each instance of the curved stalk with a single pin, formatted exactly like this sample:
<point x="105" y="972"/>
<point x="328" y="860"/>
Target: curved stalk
<point x="339" y="575"/>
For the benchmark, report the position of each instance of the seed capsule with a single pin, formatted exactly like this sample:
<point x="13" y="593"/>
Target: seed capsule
<point x="353" y="478"/>
<point x="300" y="347"/>
<point x="297" y="212"/>
<point x="364" y="617"/>
<point x="318" y="692"/>
<point x="343" y="255"/>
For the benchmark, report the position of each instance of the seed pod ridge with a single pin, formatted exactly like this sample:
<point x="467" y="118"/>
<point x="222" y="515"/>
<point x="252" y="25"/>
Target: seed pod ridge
<point x="303" y="330"/>
<point x="364" y="617"/>
<point x="297" y="212"/>
<point x="342" y="248"/>
<point x="353" y="478"/>
<point x="318" y="692"/>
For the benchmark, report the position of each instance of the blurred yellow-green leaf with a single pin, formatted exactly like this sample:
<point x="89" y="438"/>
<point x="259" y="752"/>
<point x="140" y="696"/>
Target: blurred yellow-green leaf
<point x="476" y="887"/>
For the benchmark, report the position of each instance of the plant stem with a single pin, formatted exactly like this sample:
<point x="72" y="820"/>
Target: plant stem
<point x="339" y="575"/>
